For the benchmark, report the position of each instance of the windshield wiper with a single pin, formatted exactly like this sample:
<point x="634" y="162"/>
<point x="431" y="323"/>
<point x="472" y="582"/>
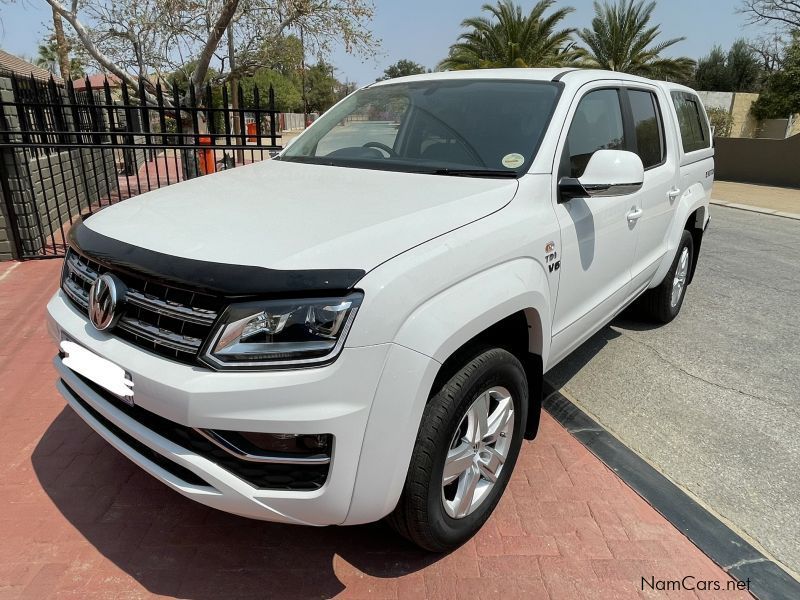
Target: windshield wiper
<point x="473" y="172"/>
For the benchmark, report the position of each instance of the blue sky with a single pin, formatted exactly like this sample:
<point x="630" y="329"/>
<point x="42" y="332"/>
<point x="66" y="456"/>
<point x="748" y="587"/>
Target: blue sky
<point x="422" y="30"/>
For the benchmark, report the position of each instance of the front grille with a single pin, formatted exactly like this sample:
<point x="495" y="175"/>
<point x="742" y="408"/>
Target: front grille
<point x="298" y="477"/>
<point x="168" y="321"/>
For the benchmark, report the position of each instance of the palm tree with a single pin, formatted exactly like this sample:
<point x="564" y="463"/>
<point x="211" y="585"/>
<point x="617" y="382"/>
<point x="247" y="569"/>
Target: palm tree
<point x="621" y="39"/>
<point x="510" y="39"/>
<point x="47" y="57"/>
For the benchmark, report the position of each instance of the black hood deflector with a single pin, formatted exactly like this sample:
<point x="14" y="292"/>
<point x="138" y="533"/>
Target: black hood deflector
<point x="205" y="276"/>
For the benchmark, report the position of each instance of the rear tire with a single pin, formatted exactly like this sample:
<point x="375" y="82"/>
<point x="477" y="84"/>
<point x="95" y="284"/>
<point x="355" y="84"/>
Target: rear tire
<point x="439" y="510"/>
<point x="663" y="303"/>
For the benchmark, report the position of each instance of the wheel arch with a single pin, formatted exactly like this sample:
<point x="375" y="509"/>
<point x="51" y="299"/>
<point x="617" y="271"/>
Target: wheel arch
<point x="519" y="333"/>
<point x="695" y="225"/>
<point x="691" y="214"/>
<point x="507" y="305"/>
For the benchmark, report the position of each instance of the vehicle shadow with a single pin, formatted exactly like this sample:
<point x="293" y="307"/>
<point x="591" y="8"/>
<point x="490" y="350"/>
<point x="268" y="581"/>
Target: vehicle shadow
<point x="631" y="319"/>
<point x="174" y="546"/>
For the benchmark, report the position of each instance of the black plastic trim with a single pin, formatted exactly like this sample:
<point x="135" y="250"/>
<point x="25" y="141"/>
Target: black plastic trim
<point x="146" y="451"/>
<point x="560" y="76"/>
<point x="268" y="476"/>
<point x="740" y="559"/>
<point x="659" y="119"/>
<point x="205" y="276"/>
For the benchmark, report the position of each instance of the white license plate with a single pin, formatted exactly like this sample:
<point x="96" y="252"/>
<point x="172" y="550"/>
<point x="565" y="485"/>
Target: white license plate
<point x="99" y="370"/>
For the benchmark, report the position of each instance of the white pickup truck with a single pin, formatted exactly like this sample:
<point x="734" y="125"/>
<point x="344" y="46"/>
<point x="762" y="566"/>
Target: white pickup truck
<point x="359" y="328"/>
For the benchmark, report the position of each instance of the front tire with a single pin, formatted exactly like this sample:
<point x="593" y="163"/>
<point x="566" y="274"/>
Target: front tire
<point x="466" y="449"/>
<point x="663" y="303"/>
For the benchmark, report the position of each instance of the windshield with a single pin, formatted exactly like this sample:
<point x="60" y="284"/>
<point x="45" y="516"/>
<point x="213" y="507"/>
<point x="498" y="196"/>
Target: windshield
<point x="449" y="127"/>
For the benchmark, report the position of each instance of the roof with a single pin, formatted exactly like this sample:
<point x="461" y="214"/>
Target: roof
<point x="531" y="74"/>
<point x="571" y="75"/>
<point x="14" y="64"/>
<point x="96" y="81"/>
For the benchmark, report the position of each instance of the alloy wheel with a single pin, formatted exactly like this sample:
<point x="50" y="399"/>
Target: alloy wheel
<point x="478" y="452"/>
<point x="681" y="273"/>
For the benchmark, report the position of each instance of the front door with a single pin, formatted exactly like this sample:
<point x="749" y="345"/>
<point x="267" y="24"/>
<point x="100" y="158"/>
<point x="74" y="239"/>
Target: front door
<point x="598" y="238"/>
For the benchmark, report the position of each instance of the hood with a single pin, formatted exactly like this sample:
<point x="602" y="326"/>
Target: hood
<point x="291" y="216"/>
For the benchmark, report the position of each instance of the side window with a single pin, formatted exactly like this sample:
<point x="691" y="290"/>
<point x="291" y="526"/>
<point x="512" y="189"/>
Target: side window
<point x="647" y="126"/>
<point x="596" y="125"/>
<point x="692" y="123"/>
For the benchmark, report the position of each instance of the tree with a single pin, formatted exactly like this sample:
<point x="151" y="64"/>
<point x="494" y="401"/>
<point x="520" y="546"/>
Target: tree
<point x="621" y="39"/>
<point x="142" y="40"/>
<point x="321" y="87"/>
<point x="47" y="58"/>
<point x="744" y="67"/>
<point x="62" y="48"/>
<point x="783" y="13"/>
<point x="402" y="68"/>
<point x="288" y="97"/>
<point x="712" y="72"/>
<point x="509" y="38"/>
<point x="737" y="71"/>
<point x="780" y="97"/>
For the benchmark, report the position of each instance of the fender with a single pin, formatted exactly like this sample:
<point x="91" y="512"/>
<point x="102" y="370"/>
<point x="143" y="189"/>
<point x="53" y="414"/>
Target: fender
<point x="434" y="330"/>
<point x="694" y="197"/>
<point x="442" y="324"/>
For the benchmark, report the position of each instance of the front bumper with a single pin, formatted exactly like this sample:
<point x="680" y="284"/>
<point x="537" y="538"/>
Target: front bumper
<point x="353" y="398"/>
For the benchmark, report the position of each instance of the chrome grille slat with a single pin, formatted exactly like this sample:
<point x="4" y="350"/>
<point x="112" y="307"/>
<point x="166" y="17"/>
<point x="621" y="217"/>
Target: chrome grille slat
<point x="171" y="309"/>
<point x="80" y="269"/>
<point x="77" y="293"/>
<point x="159" y="318"/>
<point x="158" y="335"/>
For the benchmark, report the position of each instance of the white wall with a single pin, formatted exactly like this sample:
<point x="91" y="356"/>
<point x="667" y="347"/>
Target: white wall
<point x="721" y="100"/>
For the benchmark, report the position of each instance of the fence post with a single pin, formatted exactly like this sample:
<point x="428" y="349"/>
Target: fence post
<point x="189" y="164"/>
<point x="272" y="115"/>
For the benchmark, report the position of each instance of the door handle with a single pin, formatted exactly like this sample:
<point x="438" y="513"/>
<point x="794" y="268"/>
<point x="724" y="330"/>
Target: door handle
<point x="634" y="214"/>
<point x="673" y="193"/>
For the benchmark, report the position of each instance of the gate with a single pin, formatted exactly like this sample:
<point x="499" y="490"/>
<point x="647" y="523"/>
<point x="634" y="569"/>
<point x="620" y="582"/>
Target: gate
<point x="70" y="151"/>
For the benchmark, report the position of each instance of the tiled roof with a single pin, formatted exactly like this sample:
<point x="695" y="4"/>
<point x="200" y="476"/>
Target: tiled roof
<point x="14" y="64"/>
<point x="96" y="81"/>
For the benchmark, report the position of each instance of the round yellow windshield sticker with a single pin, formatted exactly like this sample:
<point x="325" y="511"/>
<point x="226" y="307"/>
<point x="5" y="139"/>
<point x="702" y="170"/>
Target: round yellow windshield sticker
<point x="513" y="160"/>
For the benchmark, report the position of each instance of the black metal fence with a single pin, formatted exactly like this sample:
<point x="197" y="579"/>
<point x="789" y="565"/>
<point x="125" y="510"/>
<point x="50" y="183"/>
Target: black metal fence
<point x="67" y="151"/>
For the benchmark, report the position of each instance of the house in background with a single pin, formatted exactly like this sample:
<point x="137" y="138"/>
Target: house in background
<point x="14" y="65"/>
<point x="97" y="82"/>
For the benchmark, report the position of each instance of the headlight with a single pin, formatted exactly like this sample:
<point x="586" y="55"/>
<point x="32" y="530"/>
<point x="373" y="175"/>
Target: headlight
<point x="281" y="333"/>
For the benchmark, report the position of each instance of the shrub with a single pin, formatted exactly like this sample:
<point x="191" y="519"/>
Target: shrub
<point x="721" y="121"/>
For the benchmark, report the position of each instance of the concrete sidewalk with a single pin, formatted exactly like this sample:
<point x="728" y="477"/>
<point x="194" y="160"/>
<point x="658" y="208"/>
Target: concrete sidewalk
<point x="80" y="521"/>
<point x="783" y="202"/>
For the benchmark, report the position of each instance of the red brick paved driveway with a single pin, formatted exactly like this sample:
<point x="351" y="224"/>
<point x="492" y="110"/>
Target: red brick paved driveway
<point x="80" y="521"/>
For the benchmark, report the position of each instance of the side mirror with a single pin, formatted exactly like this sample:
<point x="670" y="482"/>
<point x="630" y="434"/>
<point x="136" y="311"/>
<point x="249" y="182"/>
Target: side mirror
<point x="609" y="173"/>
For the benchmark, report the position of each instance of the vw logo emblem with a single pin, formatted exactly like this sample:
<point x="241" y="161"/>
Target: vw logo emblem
<point x="105" y="297"/>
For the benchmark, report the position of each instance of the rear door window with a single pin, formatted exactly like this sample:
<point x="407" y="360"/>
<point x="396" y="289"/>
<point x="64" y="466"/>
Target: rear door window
<point x="692" y="122"/>
<point x="647" y="127"/>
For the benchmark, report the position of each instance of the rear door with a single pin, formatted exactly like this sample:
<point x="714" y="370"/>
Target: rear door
<point x="646" y="111"/>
